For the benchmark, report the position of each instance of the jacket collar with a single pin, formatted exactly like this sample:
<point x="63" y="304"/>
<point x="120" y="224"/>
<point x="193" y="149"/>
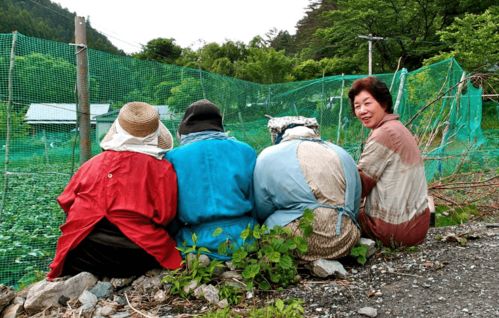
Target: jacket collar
<point x="388" y="117"/>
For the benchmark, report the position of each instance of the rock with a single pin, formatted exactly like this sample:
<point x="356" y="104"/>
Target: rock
<point x="160" y="296"/>
<point x="233" y="279"/>
<point x="371" y="245"/>
<point x="209" y="292"/>
<point x="102" y="289"/>
<point x="87" y="300"/>
<point x="325" y="268"/>
<point x="223" y="303"/>
<point x="106" y="310"/>
<point x="119" y="300"/>
<point x="230" y="266"/>
<point x="6" y="296"/>
<point x="122" y="314"/>
<point x="203" y="260"/>
<point x="11" y="311"/>
<point x="19" y="300"/>
<point x="121" y="282"/>
<point x="192" y="285"/>
<point x="74" y="286"/>
<point x="45" y="294"/>
<point x="368" y="311"/>
<point x="145" y="283"/>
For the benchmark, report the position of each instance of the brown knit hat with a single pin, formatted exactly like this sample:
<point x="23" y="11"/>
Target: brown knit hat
<point x="140" y="119"/>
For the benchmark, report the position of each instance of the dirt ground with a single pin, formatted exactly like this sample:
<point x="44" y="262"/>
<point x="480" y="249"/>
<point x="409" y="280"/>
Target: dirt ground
<point x="455" y="273"/>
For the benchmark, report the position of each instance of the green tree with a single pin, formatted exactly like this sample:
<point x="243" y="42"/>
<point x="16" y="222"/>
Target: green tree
<point x="473" y="40"/>
<point x="161" y="50"/>
<point x="266" y="66"/>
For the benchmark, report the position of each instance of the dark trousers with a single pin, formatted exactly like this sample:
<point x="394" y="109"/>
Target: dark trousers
<point x="107" y="252"/>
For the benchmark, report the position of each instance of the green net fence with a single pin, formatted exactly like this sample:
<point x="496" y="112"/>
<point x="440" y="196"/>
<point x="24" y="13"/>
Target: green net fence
<point x="39" y="137"/>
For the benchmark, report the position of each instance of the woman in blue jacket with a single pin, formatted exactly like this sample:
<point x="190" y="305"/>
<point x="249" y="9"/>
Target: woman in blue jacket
<point x="215" y="180"/>
<point x="301" y="171"/>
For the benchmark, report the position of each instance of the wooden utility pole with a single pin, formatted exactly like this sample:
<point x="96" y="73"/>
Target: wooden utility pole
<point x="83" y="108"/>
<point x="370" y="38"/>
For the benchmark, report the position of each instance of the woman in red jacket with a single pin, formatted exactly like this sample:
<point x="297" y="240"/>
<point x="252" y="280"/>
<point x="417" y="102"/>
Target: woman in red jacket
<point x="120" y="201"/>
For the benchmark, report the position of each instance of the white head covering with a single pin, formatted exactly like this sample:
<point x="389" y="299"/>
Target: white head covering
<point x="144" y="132"/>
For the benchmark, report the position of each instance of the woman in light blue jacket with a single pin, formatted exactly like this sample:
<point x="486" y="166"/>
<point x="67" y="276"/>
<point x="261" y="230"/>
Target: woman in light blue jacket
<point x="302" y="171"/>
<point x="215" y="180"/>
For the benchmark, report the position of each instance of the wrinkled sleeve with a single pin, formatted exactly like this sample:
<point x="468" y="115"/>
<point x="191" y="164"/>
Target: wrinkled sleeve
<point x="263" y="202"/>
<point x="68" y="196"/>
<point x="165" y="198"/>
<point x="373" y="162"/>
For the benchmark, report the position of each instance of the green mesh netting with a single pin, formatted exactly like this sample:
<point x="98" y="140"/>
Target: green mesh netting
<point x="40" y="146"/>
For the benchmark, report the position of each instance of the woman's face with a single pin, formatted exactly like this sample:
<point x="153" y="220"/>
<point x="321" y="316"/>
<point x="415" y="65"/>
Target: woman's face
<point x="368" y="110"/>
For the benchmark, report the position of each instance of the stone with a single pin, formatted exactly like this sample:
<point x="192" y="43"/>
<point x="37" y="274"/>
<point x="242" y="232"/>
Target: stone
<point x="45" y="293"/>
<point x="119" y="300"/>
<point x="106" y="310"/>
<point x="324" y="268"/>
<point x="6" y="296"/>
<point x="371" y="245"/>
<point x="192" y="286"/>
<point x="145" y="283"/>
<point x="87" y="300"/>
<point x="74" y="286"/>
<point x="223" y="303"/>
<point x="209" y="292"/>
<point x="121" y="282"/>
<point x="368" y="311"/>
<point x="160" y="296"/>
<point x="233" y="279"/>
<point x="19" y="300"/>
<point x="203" y="260"/>
<point x="230" y="266"/>
<point x="11" y="311"/>
<point x="102" y="289"/>
<point x="122" y="314"/>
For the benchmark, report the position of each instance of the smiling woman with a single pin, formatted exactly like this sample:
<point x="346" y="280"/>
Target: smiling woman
<point x="391" y="170"/>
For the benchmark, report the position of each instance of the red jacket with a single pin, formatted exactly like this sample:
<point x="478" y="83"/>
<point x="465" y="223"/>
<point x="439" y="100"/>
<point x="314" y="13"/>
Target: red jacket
<point x="134" y="191"/>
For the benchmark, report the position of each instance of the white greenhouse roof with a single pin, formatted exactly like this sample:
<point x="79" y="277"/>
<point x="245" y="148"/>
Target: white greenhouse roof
<point x="51" y="113"/>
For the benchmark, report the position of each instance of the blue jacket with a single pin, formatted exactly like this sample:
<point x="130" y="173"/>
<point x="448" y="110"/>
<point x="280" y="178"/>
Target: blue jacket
<point x="215" y="189"/>
<point x="281" y="189"/>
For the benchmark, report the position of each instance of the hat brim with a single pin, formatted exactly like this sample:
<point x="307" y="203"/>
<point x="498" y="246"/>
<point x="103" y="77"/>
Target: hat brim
<point x="165" y="139"/>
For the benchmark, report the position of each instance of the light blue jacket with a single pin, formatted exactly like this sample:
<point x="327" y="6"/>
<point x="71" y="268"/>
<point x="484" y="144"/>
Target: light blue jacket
<point x="215" y="189"/>
<point x="282" y="192"/>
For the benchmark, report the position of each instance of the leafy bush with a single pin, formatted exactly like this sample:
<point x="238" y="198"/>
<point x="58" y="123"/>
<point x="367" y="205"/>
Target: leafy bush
<point x="194" y="273"/>
<point x="269" y="257"/>
<point x="359" y="252"/>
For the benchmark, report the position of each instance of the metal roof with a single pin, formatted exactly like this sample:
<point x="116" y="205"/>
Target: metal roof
<point x="164" y="114"/>
<point x="51" y="113"/>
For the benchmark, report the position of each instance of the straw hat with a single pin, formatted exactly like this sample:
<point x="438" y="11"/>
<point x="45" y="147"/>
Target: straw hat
<point x="140" y="119"/>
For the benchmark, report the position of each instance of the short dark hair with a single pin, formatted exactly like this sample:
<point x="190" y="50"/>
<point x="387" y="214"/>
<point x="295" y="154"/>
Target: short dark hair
<point x="376" y="88"/>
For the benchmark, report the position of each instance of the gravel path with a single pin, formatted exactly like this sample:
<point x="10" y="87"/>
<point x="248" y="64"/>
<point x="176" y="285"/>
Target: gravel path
<point x="441" y="278"/>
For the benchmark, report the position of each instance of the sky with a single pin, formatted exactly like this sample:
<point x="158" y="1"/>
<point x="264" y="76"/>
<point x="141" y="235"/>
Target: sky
<point x="192" y="23"/>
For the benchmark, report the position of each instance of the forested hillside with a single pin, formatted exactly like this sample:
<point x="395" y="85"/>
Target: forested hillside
<point x="415" y="33"/>
<point x="47" y="20"/>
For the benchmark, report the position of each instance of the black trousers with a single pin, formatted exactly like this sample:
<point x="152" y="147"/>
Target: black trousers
<point x="107" y="252"/>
